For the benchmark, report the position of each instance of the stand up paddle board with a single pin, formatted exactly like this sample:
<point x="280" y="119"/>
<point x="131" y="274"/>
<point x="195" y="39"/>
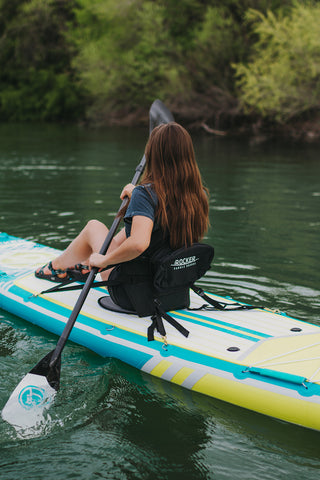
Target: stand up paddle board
<point x="257" y="359"/>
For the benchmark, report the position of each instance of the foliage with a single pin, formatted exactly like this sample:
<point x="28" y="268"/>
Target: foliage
<point x="65" y="59"/>
<point x="282" y="79"/>
<point x="36" y="81"/>
<point x="134" y="51"/>
<point x="125" y="55"/>
<point x="217" y="41"/>
<point x="130" y="52"/>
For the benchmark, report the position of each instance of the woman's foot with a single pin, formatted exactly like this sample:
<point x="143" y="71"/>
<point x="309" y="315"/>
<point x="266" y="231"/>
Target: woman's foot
<point x="79" y="272"/>
<point x="47" y="272"/>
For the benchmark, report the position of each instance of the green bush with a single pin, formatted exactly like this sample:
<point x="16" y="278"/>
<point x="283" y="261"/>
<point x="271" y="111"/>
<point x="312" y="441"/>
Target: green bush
<point x="36" y="81"/>
<point x="282" y="79"/>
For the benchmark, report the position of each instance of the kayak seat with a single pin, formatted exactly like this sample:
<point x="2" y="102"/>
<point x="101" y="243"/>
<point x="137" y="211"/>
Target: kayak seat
<point x="107" y="303"/>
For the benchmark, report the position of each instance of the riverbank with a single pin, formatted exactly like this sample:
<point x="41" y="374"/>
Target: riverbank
<point x="221" y="114"/>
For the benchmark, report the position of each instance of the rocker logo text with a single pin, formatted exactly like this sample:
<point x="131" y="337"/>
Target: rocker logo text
<point x="184" y="262"/>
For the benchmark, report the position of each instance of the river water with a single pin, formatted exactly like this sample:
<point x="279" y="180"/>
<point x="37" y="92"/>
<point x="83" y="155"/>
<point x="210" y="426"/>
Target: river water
<point x="114" y="422"/>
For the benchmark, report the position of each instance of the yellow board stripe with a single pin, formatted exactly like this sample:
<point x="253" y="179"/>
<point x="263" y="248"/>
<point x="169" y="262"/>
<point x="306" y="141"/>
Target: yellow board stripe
<point x="161" y="368"/>
<point x="293" y="410"/>
<point x="181" y="375"/>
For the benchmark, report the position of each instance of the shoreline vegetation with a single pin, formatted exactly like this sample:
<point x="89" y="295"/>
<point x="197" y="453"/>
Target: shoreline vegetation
<point x="228" y="68"/>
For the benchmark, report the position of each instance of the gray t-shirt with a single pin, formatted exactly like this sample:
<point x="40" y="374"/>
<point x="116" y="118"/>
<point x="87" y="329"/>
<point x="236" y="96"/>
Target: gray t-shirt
<point x="143" y="202"/>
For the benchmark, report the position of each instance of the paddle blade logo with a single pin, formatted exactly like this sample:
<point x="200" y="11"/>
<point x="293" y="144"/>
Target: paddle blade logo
<point x="31" y="396"/>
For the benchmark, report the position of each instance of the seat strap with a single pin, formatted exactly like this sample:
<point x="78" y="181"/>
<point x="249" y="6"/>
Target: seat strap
<point x="227" y="307"/>
<point x="157" y="323"/>
<point x="63" y="287"/>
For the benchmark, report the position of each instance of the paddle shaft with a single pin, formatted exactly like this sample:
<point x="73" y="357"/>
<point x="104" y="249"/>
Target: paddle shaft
<point x="86" y="288"/>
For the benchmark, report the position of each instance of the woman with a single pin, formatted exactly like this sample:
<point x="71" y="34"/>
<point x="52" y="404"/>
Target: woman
<point x="169" y="208"/>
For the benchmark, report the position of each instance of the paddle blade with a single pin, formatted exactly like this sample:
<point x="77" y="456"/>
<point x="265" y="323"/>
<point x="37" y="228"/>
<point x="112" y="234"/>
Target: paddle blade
<point x="158" y="114"/>
<point x="26" y="406"/>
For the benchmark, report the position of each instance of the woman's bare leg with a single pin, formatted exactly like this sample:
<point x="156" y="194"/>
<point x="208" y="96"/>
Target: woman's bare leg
<point x="89" y="240"/>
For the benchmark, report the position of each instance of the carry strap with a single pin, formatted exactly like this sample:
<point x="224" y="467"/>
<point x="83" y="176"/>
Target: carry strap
<point x="157" y="322"/>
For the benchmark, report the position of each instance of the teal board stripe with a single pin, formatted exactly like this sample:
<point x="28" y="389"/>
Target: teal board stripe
<point x="196" y="318"/>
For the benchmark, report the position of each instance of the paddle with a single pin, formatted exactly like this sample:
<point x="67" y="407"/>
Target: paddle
<point x="37" y="389"/>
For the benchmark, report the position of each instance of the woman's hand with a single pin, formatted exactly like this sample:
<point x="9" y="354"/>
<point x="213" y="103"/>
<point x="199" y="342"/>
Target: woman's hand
<point x="127" y="191"/>
<point x="97" y="260"/>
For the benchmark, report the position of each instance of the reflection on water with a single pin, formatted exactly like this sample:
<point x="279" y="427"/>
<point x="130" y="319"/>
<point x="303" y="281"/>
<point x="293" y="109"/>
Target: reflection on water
<point x="110" y="421"/>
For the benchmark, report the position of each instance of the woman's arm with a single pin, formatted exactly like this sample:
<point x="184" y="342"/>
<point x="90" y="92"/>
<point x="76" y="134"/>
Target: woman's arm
<point x="132" y="246"/>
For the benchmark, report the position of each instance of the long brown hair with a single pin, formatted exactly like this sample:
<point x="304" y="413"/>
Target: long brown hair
<point x="171" y="168"/>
